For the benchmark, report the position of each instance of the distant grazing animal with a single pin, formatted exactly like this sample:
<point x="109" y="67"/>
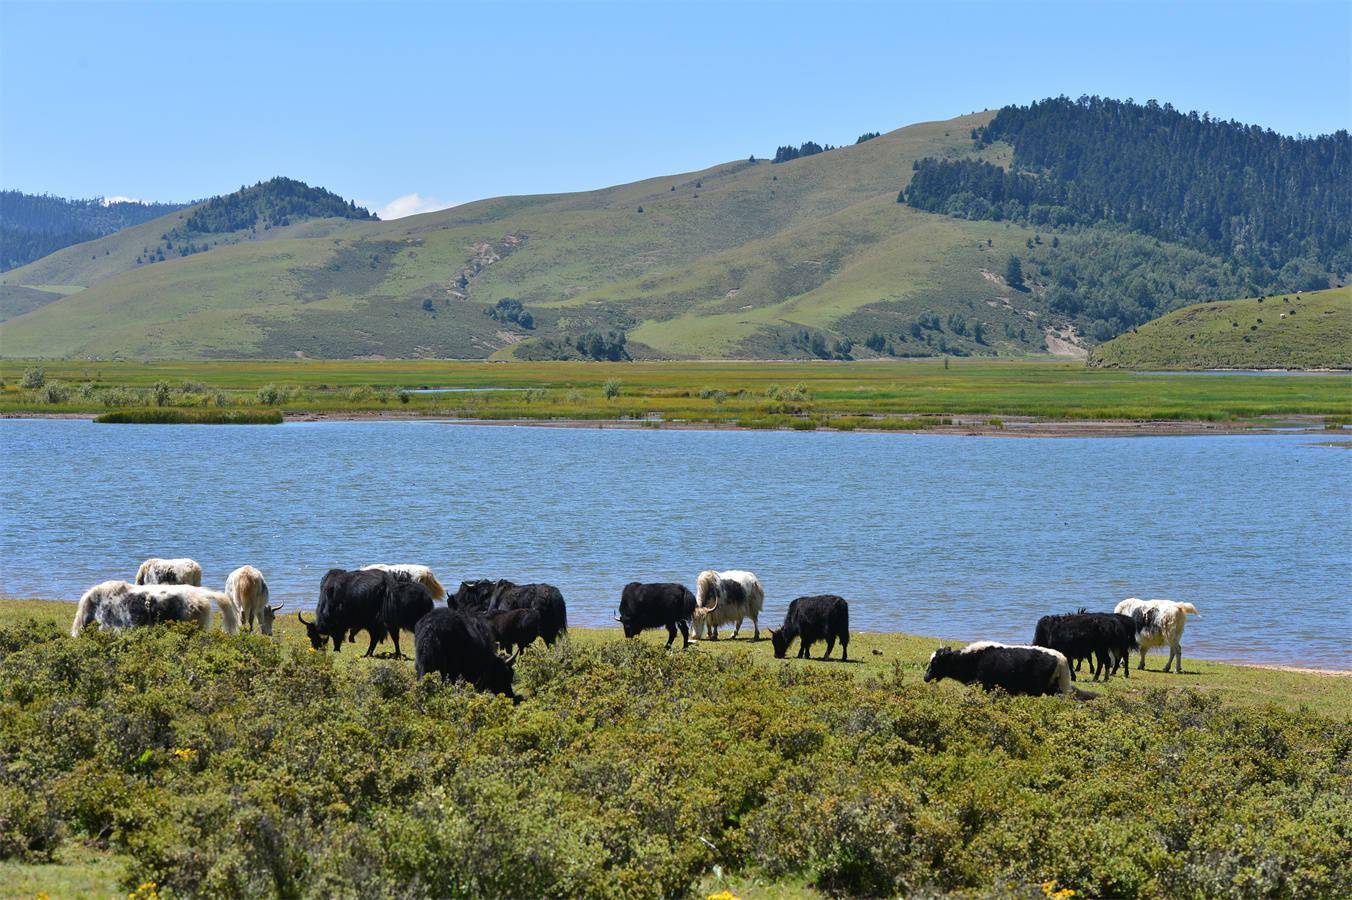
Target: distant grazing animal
<point x="1103" y="638"/>
<point x="459" y="644"/>
<point x="811" y="619"/>
<point x="118" y="605"/>
<point x="1159" y="623"/>
<point x="663" y="605"/>
<point x="169" y="571"/>
<point x="1033" y="671"/>
<point x="514" y="627"/>
<point x="350" y="602"/>
<point x="406" y="572"/>
<point x="250" y="592"/>
<point x="545" y="599"/>
<point x="727" y="597"/>
<point x="404" y="607"/>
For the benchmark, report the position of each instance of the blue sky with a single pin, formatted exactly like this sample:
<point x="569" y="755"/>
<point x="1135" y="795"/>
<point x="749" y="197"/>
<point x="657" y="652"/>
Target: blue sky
<point x="429" y="104"/>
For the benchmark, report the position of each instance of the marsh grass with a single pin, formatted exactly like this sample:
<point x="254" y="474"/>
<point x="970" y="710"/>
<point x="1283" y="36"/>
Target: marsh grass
<point x="170" y="416"/>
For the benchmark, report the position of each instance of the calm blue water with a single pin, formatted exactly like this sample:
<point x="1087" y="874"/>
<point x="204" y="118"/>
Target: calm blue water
<point x="955" y="536"/>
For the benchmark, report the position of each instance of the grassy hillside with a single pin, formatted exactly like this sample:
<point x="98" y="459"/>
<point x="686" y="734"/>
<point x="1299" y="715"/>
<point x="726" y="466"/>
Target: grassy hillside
<point x="734" y="260"/>
<point x="1282" y="331"/>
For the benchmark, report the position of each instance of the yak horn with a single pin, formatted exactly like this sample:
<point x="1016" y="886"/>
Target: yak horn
<point x="618" y="619"/>
<point x="302" y="619"/>
<point x="511" y="659"/>
<point x="277" y="608"/>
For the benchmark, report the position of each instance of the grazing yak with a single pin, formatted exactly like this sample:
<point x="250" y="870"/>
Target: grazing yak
<point x="118" y="605"/>
<point x="1103" y="638"/>
<point x="664" y="605"/>
<point x="350" y="602"/>
<point x="1033" y="671"/>
<point x="545" y="599"/>
<point x="247" y="588"/>
<point x="473" y="596"/>
<point x="404" y="607"/>
<point x="1158" y="623"/>
<point x="459" y="644"/>
<point x="514" y="627"/>
<point x="406" y="572"/>
<point x="169" y="571"/>
<point x="723" y="598"/>
<point x="811" y="619"/>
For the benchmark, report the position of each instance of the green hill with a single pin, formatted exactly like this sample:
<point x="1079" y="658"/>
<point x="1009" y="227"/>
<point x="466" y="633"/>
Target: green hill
<point x="1281" y="331"/>
<point x="809" y="258"/>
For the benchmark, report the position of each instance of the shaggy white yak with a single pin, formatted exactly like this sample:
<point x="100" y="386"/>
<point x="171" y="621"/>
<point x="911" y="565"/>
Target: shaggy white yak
<point x="1158" y="623"/>
<point x="727" y="597"/>
<point x="410" y="572"/>
<point x="118" y="605"/>
<point x="249" y="591"/>
<point x="169" y="571"/>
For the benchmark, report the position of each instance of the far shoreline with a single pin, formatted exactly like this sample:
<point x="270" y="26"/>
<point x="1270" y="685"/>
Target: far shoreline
<point x="963" y="425"/>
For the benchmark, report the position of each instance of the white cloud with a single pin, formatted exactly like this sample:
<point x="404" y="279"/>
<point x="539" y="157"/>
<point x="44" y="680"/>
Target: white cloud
<point x="410" y="205"/>
<point x="109" y="201"/>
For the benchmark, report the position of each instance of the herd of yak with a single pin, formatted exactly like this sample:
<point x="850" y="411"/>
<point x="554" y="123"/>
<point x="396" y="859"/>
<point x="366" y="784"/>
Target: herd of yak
<point x="471" y="635"/>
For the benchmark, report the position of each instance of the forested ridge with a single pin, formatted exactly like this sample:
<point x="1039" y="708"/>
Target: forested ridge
<point x="1265" y="211"/>
<point x="34" y="225"/>
<point x="271" y="203"/>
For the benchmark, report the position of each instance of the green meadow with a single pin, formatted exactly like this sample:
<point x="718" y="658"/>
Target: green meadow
<point x="175" y="762"/>
<point x="754" y="394"/>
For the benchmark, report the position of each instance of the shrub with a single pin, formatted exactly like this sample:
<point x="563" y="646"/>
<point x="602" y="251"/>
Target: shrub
<point x="160" y="393"/>
<point x="33" y="378"/>
<point x="269" y="395"/>
<point x="611" y="389"/>
<point x="54" y="392"/>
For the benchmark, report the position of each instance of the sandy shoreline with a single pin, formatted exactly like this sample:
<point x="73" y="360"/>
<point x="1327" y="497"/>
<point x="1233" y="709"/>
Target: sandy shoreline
<point x="963" y="425"/>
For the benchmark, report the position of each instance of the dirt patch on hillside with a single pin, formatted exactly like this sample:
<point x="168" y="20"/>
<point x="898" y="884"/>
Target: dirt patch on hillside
<point x="1064" y="341"/>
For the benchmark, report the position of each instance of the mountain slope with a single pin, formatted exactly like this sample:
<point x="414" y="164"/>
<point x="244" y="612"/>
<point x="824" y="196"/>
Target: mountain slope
<point x="808" y="258"/>
<point x="35" y="225"/>
<point x="1280" y="331"/>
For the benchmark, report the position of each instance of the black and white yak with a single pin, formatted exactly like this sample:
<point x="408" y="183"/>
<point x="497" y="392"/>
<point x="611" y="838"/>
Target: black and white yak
<point x="406" y="572"/>
<point x="457" y="643"/>
<point x="118" y="605"/>
<point x="1031" y="671"/>
<point x="1105" y="639"/>
<point x="723" y="598"/>
<point x="169" y="571"/>
<point x="663" y="605"/>
<point x="1159" y="623"/>
<point x="247" y="588"/>
<point x="350" y="602"/>
<point x="811" y="619"/>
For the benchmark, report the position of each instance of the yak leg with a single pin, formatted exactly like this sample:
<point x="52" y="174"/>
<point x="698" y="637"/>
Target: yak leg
<point x="737" y="629"/>
<point x="1176" y="652"/>
<point x="844" y="648"/>
<point x="830" y="645"/>
<point x="397" y="653"/>
<point x="375" y="639"/>
<point x="804" y="649"/>
<point x="338" y="642"/>
<point x="671" y="634"/>
<point x="755" y="624"/>
<point x="1142" y="665"/>
<point x="685" y="633"/>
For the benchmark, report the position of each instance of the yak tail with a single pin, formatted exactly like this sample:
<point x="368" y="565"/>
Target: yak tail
<point x="433" y="586"/>
<point x="84" y="612"/>
<point x="1063" y="676"/>
<point x="229" y="613"/>
<point x="1189" y="609"/>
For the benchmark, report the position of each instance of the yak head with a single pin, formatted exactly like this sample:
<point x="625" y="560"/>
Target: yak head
<point x="780" y="641"/>
<point x="317" y="638"/>
<point x="500" y="674"/>
<point x="266" y="618"/>
<point x="940" y="657"/>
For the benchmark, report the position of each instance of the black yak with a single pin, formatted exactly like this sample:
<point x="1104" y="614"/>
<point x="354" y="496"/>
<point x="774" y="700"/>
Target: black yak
<point x="460" y="644"/>
<point x="664" y="605"/>
<point x="811" y="619"/>
<point x="350" y="602"/>
<point x="514" y="627"/>
<point x="1103" y="638"/>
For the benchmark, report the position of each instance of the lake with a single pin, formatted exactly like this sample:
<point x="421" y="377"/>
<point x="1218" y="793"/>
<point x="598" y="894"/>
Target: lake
<point x="961" y="537"/>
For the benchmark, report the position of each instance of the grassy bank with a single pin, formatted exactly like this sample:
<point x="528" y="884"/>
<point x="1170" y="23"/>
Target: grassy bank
<point x="162" y="416"/>
<point x="892" y="394"/>
<point x="247" y="766"/>
<point x="1282" y="331"/>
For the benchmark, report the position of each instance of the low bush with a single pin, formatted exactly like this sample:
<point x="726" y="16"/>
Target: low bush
<point x="243" y="766"/>
<point x="171" y="416"/>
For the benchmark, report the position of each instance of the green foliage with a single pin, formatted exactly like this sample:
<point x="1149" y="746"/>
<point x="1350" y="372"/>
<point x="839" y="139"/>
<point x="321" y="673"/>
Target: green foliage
<point x="1014" y="272"/>
<point x="611" y="389"/>
<point x="246" y="766"/>
<point x="270" y="395"/>
<point x="33" y="378"/>
<point x="151" y="416"/>
<point x="160" y="393"/>
<point x="270" y="203"/>
<point x="509" y="309"/>
<point x="34" y="225"/>
<point x="54" y="392"/>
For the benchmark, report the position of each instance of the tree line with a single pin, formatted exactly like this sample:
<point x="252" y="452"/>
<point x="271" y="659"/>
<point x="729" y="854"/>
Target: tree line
<point x="34" y="225"/>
